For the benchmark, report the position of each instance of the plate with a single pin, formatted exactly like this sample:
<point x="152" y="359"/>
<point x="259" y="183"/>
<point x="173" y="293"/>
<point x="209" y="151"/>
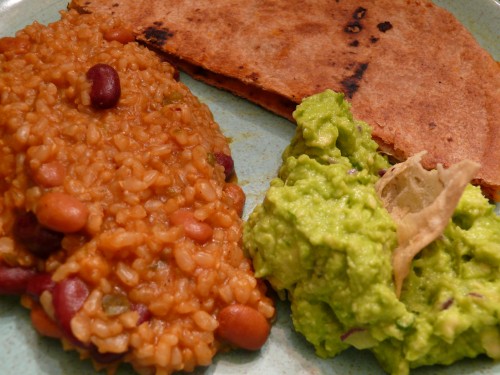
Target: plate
<point x="258" y="137"/>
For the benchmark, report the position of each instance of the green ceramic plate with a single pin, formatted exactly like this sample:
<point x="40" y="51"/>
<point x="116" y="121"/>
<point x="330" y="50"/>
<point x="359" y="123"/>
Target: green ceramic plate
<point x="258" y="139"/>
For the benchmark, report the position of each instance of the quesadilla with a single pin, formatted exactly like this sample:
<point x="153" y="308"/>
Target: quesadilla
<point x="408" y="67"/>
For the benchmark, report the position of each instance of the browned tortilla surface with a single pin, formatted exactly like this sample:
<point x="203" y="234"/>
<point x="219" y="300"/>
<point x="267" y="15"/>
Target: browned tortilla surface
<point x="409" y="68"/>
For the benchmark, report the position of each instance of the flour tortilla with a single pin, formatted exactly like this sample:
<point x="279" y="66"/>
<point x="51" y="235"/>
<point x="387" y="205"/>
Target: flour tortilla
<point x="408" y="67"/>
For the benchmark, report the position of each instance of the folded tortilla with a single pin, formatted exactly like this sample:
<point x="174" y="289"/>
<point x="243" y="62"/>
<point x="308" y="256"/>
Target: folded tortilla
<point x="408" y="67"/>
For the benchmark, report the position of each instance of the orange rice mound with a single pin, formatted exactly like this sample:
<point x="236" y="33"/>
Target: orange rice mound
<point x="137" y="169"/>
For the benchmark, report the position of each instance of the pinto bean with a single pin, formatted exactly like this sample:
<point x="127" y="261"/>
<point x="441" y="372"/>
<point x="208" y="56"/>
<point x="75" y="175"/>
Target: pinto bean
<point x="119" y="34"/>
<point x="61" y="212"/>
<point x="193" y="228"/>
<point x="14" y="280"/>
<point x="50" y="174"/>
<point x="237" y="196"/>
<point x="43" y="324"/>
<point x="243" y="326"/>
<point x="106" y="89"/>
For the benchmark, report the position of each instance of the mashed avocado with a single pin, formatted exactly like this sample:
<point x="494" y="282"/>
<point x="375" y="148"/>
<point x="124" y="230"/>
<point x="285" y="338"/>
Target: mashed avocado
<point x="324" y="240"/>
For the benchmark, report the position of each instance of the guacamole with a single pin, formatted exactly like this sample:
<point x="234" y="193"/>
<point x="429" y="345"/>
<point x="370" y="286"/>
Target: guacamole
<point x="324" y="240"/>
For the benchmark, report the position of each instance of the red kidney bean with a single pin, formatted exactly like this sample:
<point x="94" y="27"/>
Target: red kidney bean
<point x="14" y="280"/>
<point x="143" y="311"/>
<point x="37" y="239"/>
<point x="177" y="75"/>
<point x="39" y="283"/>
<point x="227" y="162"/>
<point x="106" y="90"/>
<point x="243" y="326"/>
<point x="104" y="357"/>
<point x="68" y="297"/>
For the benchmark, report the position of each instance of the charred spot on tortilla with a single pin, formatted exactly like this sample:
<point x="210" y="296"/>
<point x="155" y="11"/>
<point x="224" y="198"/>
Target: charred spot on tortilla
<point x="157" y="36"/>
<point x="351" y="84"/>
<point x="353" y="27"/>
<point x="384" y="26"/>
<point x="359" y="13"/>
<point x="253" y="76"/>
<point x="354" y="43"/>
<point x="373" y="39"/>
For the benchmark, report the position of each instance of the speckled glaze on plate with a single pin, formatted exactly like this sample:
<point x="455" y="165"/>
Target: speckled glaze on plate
<point x="258" y="138"/>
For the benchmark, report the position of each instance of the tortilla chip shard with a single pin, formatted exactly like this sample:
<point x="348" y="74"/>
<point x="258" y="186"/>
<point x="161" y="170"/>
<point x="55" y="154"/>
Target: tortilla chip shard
<point x="422" y="203"/>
